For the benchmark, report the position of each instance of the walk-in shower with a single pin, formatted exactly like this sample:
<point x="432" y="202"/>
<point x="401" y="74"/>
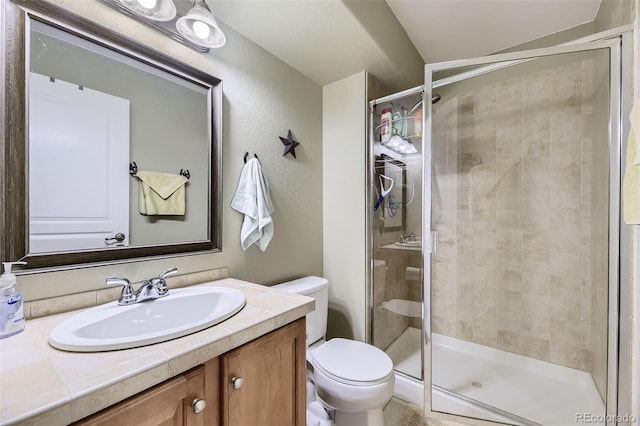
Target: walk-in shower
<point x="494" y="245"/>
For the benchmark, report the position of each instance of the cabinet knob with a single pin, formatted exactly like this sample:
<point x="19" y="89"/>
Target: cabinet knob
<point x="198" y="405"/>
<point x="237" y="382"/>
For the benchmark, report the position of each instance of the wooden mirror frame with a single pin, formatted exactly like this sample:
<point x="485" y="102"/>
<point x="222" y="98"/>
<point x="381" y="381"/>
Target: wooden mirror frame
<point x="14" y="217"/>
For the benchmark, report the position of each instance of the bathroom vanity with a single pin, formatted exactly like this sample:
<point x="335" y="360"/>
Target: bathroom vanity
<point x="233" y="373"/>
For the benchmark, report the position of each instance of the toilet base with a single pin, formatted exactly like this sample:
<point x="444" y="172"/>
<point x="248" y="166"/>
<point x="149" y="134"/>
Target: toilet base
<point x="366" y="418"/>
<point x="317" y="415"/>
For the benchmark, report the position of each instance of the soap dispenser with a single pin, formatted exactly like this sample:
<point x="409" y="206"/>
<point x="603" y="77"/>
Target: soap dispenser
<point x="11" y="306"/>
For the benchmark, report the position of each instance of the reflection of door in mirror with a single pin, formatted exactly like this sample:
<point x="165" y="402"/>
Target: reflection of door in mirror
<point x="76" y="201"/>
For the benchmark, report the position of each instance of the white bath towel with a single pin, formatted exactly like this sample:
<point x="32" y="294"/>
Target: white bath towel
<point x="253" y="200"/>
<point x="631" y="185"/>
<point x="161" y="193"/>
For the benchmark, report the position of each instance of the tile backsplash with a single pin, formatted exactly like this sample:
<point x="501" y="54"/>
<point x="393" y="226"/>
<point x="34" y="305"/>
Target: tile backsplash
<point x="57" y="305"/>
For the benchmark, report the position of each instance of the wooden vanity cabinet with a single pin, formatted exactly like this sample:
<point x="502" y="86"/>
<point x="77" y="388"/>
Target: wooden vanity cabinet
<point x="262" y="382"/>
<point x="168" y="404"/>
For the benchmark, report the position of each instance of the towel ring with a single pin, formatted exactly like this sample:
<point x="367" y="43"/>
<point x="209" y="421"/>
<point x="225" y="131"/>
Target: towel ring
<point x="246" y="154"/>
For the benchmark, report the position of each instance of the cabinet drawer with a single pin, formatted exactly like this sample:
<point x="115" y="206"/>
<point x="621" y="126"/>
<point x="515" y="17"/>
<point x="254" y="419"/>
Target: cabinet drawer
<point x="167" y="404"/>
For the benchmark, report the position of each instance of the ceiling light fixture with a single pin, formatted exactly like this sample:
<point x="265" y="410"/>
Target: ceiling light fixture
<point x="198" y="29"/>
<point x="156" y="10"/>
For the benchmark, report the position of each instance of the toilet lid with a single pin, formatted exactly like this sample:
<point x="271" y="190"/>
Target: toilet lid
<point x="349" y="361"/>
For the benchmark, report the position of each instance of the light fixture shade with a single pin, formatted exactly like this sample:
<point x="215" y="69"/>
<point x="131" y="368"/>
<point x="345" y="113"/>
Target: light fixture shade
<point x="208" y="34"/>
<point x="401" y="145"/>
<point x="156" y="10"/>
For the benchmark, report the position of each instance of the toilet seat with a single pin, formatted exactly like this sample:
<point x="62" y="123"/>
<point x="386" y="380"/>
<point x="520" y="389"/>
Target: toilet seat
<point x="352" y="363"/>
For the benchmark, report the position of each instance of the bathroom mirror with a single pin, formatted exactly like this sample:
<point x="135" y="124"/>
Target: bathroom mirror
<point x="87" y="111"/>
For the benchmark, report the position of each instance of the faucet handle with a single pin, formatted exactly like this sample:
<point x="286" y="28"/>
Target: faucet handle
<point x="128" y="295"/>
<point x="168" y="272"/>
<point x="160" y="284"/>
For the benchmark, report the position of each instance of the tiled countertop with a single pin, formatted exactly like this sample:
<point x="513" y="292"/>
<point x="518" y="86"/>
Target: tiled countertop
<point x="395" y="246"/>
<point x="40" y="384"/>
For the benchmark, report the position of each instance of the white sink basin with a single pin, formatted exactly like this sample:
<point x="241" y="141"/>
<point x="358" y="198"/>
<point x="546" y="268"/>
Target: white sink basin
<point x="412" y="243"/>
<point x="110" y="326"/>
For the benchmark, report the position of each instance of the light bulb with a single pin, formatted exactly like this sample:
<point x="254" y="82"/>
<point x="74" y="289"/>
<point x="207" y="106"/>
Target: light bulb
<point x="148" y="4"/>
<point x="201" y="30"/>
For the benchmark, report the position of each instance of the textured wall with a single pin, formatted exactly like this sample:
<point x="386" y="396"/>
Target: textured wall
<point x="263" y="98"/>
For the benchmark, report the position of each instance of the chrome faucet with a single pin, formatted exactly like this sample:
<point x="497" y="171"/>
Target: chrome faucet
<point x="149" y="289"/>
<point x="407" y="237"/>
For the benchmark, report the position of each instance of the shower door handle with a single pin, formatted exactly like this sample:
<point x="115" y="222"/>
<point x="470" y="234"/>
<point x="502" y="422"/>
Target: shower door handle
<point x="433" y="244"/>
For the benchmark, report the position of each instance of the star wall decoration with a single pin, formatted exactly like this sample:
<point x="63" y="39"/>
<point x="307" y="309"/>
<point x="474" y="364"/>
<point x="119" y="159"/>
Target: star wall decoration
<point x="289" y="144"/>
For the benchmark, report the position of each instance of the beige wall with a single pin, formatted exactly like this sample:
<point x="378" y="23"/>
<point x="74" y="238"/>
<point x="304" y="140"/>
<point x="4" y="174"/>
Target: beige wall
<point x="344" y="132"/>
<point x="614" y="13"/>
<point x="263" y="99"/>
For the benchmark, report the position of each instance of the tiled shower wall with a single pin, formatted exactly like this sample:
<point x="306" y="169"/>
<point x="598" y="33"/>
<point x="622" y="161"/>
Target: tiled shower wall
<point x="519" y="213"/>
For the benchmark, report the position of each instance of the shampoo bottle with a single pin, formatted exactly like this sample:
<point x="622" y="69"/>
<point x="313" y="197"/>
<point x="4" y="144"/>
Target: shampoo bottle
<point x="385" y="126"/>
<point x="11" y="308"/>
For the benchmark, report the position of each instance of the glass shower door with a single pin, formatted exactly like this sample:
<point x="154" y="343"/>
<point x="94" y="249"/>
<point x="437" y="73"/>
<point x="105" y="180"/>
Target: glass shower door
<point x="521" y="168"/>
<point x="396" y="231"/>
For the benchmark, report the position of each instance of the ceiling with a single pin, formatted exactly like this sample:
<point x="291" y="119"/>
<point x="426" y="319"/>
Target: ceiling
<point x="442" y="30"/>
<point x="327" y="40"/>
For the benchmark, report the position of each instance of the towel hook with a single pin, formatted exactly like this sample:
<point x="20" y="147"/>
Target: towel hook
<point x="185" y="173"/>
<point x="246" y="154"/>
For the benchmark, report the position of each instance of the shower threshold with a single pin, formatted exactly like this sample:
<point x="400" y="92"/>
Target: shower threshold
<point x="478" y="381"/>
<point x="532" y="389"/>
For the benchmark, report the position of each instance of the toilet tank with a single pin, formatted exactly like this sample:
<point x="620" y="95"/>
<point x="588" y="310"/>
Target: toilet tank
<point x="318" y="288"/>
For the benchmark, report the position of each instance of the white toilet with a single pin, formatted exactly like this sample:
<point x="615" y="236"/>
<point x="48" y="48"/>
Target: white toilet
<point x="348" y="382"/>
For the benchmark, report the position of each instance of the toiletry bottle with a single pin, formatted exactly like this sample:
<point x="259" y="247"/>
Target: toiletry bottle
<point x="385" y="125"/>
<point x="417" y="122"/>
<point x="11" y="308"/>
<point x="403" y="127"/>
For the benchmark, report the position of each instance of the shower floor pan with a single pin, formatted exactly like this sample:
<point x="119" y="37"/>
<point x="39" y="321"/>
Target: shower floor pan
<point x="539" y="391"/>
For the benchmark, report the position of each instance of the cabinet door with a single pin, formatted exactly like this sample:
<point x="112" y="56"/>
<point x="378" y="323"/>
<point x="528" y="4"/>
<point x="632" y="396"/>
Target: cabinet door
<point x="168" y="404"/>
<point x="263" y="382"/>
